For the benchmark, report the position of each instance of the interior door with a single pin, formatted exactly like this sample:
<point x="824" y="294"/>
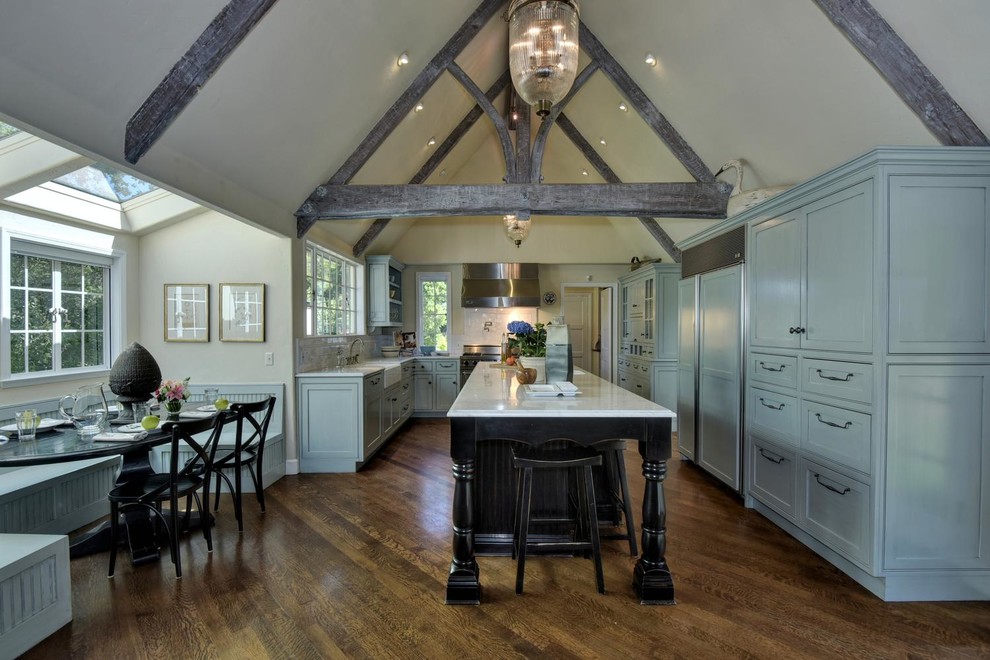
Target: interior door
<point x="577" y="308"/>
<point x="720" y="379"/>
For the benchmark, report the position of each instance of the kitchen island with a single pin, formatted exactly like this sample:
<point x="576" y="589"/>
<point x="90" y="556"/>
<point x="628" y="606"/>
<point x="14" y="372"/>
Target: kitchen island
<point x="493" y="406"/>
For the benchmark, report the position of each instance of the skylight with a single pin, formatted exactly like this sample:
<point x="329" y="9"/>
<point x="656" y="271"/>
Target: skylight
<point x="106" y="182"/>
<point x="6" y="130"/>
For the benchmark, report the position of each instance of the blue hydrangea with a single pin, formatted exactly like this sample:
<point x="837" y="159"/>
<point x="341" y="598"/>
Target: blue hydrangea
<point x="520" y="328"/>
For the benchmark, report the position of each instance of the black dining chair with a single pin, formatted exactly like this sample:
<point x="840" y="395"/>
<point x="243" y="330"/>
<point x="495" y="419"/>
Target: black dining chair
<point x="252" y="421"/>
<point x="150" y="490"/>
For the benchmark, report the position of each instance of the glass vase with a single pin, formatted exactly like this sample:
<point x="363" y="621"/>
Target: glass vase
<point x="171" y="409"/>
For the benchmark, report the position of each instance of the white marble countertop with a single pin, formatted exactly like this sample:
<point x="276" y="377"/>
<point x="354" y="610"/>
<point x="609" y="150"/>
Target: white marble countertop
<point x="370" y="366"/>
<point x="495" y="392"/>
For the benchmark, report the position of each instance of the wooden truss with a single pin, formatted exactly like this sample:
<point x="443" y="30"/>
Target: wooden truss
<point x="524" y="193"/>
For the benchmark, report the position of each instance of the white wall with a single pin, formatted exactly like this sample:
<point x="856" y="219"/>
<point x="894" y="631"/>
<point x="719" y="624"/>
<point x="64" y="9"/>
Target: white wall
<point x="209" y="249"/>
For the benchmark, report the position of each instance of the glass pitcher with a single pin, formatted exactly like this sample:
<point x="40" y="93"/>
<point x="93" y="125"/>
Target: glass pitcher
<point x="88" y="410"/>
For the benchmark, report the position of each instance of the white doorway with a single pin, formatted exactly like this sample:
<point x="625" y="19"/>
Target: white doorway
<point x="589" y="312"/>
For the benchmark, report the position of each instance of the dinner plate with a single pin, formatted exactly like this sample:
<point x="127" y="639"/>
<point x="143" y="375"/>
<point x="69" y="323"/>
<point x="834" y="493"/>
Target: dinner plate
<point x="45" y="424"/>
<point x="209" y="408"/>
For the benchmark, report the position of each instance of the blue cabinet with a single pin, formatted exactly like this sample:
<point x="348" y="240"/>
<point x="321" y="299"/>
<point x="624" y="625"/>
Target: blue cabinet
<point x="812" y="275"/>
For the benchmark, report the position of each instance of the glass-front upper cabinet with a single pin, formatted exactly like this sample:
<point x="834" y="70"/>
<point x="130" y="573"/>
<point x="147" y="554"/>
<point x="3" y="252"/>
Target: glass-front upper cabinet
<point x="384" y="291"/>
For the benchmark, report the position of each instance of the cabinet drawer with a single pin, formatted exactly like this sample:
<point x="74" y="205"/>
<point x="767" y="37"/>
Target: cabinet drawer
<point x="773" y="476"/>
<point x="407" y="369"/>
<point x="837" y="511"/>
<point x="774" y="414"/>
<point x="844" y="380"/>
<point x="837" y="434"/>
<point x="373" y="385"/>
<point x="422" y="367"/>
<point x="773" y="369"/>
<point x="444" y="365"/>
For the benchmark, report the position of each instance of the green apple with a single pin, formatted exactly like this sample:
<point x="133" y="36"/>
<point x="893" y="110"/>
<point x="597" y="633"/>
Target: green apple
<point x="149" y="422"/>
<point x="221" y="404"/>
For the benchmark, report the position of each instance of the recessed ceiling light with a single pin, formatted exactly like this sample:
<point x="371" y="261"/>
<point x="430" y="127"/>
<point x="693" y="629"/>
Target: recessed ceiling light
<point x="651" y="59"/>
<point x="403" y="59"/>
<point x="443" y="172"/>
<point x="432" y="141"/>
<point x="584" y="172"/>
<point x="601" y="141"/>
<point x="419" y="107"/>
<point x="623" y="107"/>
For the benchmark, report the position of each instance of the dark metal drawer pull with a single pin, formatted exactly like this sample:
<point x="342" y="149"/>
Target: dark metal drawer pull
<point x="767" y="405"/>
<point x="841" y="380"/>
<point x="831" y="488"/>
<point x="766" y="368"/>
<point x="796" y="331"/>
<point x="773" y="459"/>
<point x="838" y="426"/>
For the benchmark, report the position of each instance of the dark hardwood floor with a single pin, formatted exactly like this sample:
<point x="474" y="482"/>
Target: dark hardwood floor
<point x="354" y="565"/>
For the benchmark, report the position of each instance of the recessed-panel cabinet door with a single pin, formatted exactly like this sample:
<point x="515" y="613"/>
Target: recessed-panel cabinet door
<point x="776" y="248"/>
<point x="687" y="348"/>
<point x="939" y="264"/>
<point x="938" y="467"/>
<point x="838" y="291"/>
<point x="720" y="374"/>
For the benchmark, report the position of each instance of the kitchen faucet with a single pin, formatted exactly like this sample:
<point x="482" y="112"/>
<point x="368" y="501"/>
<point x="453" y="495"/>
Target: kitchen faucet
<point x="352" y="358"/>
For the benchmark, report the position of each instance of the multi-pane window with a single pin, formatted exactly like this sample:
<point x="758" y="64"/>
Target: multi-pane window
<point x="434" y="309"/>
<point x="333" y="303"/>
<point x="59" y="314"/>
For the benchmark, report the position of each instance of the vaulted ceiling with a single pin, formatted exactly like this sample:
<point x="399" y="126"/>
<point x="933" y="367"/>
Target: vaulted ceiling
<point x="771" y="81"/>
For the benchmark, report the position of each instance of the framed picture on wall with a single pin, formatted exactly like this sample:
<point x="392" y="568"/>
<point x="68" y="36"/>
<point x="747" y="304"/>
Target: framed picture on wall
<point x="187" y="312"/>
<point x="242" y="312"/>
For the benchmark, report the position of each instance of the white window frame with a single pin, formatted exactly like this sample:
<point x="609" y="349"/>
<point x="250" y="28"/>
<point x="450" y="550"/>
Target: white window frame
<point x="360" y="290"/>
<point x="49" y="247"/>
<point x="422" y="277"/>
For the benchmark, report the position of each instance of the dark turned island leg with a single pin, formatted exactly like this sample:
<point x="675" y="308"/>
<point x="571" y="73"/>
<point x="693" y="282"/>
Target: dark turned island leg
<point x="463" y="586"/>
<point x="651" y="579"/>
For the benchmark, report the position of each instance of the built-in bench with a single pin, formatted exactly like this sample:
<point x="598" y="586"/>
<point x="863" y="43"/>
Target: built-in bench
<point x="35" y="590"/>
<point x="61" y="497"/>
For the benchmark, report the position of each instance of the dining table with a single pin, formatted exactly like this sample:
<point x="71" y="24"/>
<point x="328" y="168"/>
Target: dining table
<point x="63" y="443"/>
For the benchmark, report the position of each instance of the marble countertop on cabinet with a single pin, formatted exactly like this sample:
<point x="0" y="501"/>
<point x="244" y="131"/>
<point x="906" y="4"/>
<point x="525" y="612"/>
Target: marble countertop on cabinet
<point x="495" y="392"/>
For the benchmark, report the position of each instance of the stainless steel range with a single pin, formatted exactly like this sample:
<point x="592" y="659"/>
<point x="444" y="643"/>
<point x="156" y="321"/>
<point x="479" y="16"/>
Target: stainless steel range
<point x="475" y="353"/>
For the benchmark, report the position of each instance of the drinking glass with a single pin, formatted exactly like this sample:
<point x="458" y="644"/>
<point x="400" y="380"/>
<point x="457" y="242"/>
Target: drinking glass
<point x="211" y="394"/>
<point x="27" y="425"/>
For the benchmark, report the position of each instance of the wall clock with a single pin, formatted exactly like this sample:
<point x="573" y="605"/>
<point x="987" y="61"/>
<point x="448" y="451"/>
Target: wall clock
<point x="549" y="297"/>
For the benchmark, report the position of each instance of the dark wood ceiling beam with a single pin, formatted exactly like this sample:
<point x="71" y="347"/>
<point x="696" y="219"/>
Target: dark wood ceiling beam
<point x="644" y="106"/>
<point x="394" y="115"/>
<point x="606" y="172"/>
<point x="524" y="161"/>
<point x="497" y="120"/>
<point x="436" y="158"/>
<point x="539" y="147"/>
<point x="190" y="73"/>
<point x="904" y="71"/>
<point x="682" y="200"/>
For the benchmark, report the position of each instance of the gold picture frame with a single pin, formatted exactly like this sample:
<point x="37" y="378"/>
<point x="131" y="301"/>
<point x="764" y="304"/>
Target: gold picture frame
<point x="242" y="312"/>
<point x="187" y="312"/>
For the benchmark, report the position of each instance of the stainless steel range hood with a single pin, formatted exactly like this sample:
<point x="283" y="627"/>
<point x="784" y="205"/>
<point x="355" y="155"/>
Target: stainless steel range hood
<point x="501" y="285"/>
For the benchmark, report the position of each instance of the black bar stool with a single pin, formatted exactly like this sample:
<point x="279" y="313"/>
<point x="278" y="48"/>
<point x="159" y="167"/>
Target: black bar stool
<point x="614" y="467"/>
<point x="578" y="460"/>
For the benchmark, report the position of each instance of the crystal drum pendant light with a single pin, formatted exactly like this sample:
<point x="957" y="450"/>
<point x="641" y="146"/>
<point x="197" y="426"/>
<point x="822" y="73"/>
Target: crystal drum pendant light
<point x="543" y="50"/>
